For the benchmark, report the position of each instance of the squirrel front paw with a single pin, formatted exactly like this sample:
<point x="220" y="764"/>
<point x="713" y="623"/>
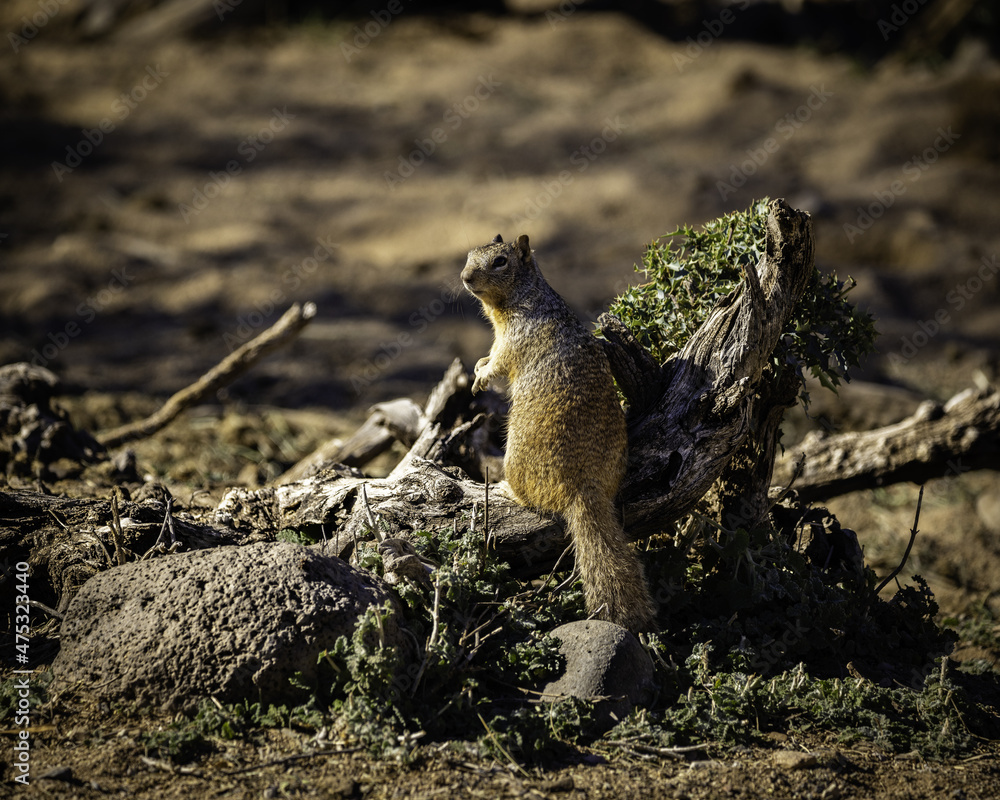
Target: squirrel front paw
<point x="482" y="372"/>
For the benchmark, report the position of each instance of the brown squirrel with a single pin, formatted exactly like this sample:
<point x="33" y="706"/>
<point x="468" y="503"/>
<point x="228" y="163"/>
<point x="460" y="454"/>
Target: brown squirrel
<point x="566" y="438"/>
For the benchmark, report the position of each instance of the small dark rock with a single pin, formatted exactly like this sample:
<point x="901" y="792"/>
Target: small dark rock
<point x="57" y="774"/>
<point x="603" y="660"/>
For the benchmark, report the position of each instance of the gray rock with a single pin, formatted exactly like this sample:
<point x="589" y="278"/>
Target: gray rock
<point x="231" y="623"/>
<point x="794" y="759"/>
<point x="606" y="663"/>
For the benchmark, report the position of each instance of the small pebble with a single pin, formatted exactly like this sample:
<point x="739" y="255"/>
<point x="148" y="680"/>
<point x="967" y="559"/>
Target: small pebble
<point x="57" y="774"/>
<point x="793" y="759"/>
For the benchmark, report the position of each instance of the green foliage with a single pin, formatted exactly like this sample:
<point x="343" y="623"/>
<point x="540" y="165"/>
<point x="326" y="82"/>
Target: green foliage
<point x="184" y="739"/>
<point x="479" y="640"/>
<point x="689" y="271"/>
<point x="756" y="598"/>
<point x="736" y="707"/>
<point x="535" y="732"/>
<point x="178" y="741"/>
<point x="303" y="537"/>
<point x="978" y="627"/>
<point x="759" y="639"/>
<point x="10" y="699"/>
<point x="363" y="665"/>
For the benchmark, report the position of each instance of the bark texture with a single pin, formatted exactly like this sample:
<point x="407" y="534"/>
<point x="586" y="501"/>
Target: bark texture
<point x="961" y="435"/>
<point x="689" y="417"/>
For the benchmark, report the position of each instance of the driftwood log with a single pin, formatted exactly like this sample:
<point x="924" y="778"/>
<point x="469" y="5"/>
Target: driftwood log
<point x="936" y="440"/>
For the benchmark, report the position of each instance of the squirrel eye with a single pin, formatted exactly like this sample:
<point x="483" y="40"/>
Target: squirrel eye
<point x="499" y="261"/>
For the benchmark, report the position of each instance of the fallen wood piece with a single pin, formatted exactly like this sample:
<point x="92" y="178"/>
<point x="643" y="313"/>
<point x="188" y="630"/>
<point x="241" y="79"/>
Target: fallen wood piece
<point x="387" y="423"/>
<point x="398" y="420"/>
<point x="419" y="496"/>
<point x="404" y="421"/>
<point x="67" y="540"/>
<point x="224" y="373"/>
<point x="935" y="441"/>
<point x="456" y="428"/>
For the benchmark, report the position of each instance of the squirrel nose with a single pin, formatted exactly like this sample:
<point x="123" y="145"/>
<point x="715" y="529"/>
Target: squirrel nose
<point x="467" y="274"/>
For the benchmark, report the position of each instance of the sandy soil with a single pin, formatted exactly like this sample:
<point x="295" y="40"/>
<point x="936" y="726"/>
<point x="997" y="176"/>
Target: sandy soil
<point x="160" y="205"/>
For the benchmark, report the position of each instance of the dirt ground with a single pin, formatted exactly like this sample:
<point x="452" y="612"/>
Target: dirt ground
<point x="112" y="764"/>
<point x="159" y="205"/>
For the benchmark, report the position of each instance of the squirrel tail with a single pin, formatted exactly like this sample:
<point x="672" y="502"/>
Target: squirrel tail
<point x="613" y="581"/>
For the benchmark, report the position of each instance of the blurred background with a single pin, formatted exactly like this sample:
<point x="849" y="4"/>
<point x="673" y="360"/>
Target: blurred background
<point x="176" y="173"/>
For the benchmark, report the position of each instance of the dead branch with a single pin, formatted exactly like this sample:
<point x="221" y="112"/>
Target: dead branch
<point x="935" y="441"/>
<point x="67" y="540"/>
<point x="909" y="546"/>
<point x="397" y="420"/>
<point x="224" y="373"/>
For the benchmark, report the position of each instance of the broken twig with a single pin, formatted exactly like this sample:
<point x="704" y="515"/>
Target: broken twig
<point x="224" y="373"/>
<point x="909" y="546"/>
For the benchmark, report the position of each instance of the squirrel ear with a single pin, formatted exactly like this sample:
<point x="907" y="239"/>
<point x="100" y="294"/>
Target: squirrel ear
<point x="523" y="247"/>
<point x="498" y="239"/>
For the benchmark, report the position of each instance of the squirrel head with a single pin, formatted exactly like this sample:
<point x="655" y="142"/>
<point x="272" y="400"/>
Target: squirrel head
<point x="498" y="273"/>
